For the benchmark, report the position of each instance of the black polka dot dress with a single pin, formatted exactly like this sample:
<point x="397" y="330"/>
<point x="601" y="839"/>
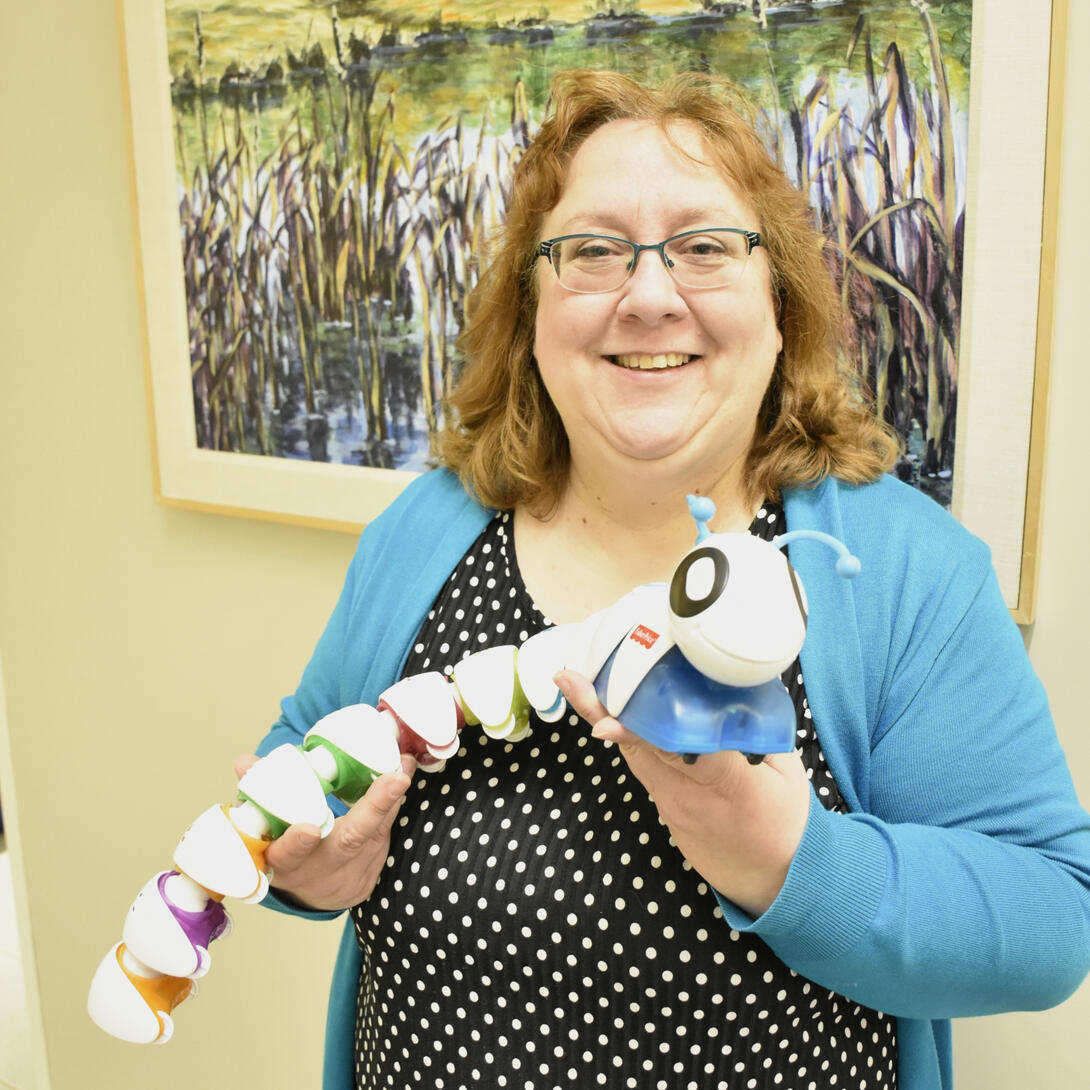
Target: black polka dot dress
<point x="536" y="928"/>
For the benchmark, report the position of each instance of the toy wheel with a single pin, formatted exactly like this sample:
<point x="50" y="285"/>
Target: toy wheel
<point x="168" y="1028"/>
<point x="204" y="963"/>
<point x="260" y="892"/>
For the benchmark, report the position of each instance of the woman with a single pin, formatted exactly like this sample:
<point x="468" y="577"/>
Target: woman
<point x="580" y="909"/>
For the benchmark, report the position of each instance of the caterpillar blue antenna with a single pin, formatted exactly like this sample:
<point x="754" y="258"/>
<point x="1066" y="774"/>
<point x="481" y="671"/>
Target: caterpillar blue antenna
<point x="703" y="511"/>
<point x="847" y="565"/>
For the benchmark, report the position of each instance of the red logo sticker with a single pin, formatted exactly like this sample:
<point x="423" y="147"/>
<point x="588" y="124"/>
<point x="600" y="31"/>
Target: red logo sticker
<point x="644" y="636"/>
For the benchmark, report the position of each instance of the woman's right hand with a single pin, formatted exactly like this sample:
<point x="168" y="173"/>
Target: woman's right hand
<point x="340" y="870"/>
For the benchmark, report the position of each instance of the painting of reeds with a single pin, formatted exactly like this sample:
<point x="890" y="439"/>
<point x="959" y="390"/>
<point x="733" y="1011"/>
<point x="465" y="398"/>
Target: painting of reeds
<point x="340" y="165"/>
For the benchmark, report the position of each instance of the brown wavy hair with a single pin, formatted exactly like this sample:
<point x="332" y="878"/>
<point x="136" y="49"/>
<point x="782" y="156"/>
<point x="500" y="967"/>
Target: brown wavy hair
<point x="507" y="442"/>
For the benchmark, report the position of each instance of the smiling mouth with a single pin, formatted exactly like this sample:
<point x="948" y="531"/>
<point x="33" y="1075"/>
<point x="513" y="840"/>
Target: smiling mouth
<point x="663" y="361"/>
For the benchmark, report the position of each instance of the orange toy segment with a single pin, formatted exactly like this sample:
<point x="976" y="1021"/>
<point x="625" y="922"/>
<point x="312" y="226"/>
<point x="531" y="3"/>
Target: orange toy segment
<point x="161" y="993"/>
<point x="255" y="846"/>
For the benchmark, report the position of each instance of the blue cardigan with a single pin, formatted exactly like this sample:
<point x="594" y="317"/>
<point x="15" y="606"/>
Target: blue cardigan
<point x="959" y="882"/>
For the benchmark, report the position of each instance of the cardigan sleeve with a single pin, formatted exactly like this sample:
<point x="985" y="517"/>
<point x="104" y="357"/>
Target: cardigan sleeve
<point x="960" y="883"/>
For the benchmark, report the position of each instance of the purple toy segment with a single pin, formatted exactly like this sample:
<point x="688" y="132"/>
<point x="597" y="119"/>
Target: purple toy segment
<point x="202" y="927"/>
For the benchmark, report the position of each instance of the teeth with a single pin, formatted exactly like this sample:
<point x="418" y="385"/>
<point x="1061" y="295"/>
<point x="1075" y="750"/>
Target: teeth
<point x="652" y="363"/>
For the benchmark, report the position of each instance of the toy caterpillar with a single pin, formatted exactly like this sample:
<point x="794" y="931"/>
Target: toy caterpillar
<point x="693" y="666"/>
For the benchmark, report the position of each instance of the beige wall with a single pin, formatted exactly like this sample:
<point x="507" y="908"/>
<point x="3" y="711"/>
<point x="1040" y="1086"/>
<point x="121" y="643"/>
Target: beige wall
<point x="142" y="647"/>
<point x="1049" y="1050"/>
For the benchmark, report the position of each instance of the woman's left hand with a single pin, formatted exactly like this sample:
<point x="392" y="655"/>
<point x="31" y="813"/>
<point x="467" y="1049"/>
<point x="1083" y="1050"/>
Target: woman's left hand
<point x="738" y="824"/>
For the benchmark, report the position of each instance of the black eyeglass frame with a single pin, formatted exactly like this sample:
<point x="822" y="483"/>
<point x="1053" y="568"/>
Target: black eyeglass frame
<point x="545" y="249"/>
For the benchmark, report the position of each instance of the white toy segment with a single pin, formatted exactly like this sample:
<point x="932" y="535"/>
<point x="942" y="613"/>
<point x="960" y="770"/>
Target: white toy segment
<point x="322" y="762"/>
<point x="167" y="1030"/>
<point x="520" y="729"/>
<point x="578" y="656"/>
<point x="642" y="646"/>
<point x="433" y="766"/>
<point x="441" y="753"/>
<point x="133" y="1003"/>
<point x="214" y="855"/>
<point x="117" y="1007"/>
<point x="154" y="935"/>
<point x="644" y="604"/>
<point x="539" y="659"/>
<point x="487" y="687"/>
<point x="261" y="891"/>
<point x="249" y="821"/>
<point x="283" y="784"/>
<point x="505" y="731"/>
<point x="426" y="705"/>
<point x="184" y="894"/>
<point x="364" y="733"/>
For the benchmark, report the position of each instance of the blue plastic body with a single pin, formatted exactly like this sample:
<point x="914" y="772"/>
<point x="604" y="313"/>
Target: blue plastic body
<point x="679" y="710"/>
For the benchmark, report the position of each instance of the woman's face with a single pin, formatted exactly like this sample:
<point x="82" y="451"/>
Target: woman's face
<point x="699" y="413"/>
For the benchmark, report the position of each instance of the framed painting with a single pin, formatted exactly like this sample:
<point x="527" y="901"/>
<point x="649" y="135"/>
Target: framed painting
<point x="315" y="183"/>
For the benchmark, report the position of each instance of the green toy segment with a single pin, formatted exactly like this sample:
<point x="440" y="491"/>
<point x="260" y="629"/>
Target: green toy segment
<point x="277" y="827"/>
<point x="353" y="777"/>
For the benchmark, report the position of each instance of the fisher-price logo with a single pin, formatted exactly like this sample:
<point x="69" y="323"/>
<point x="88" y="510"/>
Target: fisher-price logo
<point x="644" y="636"/>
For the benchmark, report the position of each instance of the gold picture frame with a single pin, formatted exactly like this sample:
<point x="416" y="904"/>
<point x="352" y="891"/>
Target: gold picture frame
<point x="1016" y="117"/>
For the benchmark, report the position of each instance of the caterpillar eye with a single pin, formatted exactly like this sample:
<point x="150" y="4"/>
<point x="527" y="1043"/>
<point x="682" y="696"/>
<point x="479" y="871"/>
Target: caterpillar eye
<point x="737" y="611"/>
<point x="698" y="581"/>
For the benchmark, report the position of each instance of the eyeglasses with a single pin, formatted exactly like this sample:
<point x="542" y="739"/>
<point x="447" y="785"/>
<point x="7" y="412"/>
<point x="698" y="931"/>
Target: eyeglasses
<point x="712" y="257"/>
